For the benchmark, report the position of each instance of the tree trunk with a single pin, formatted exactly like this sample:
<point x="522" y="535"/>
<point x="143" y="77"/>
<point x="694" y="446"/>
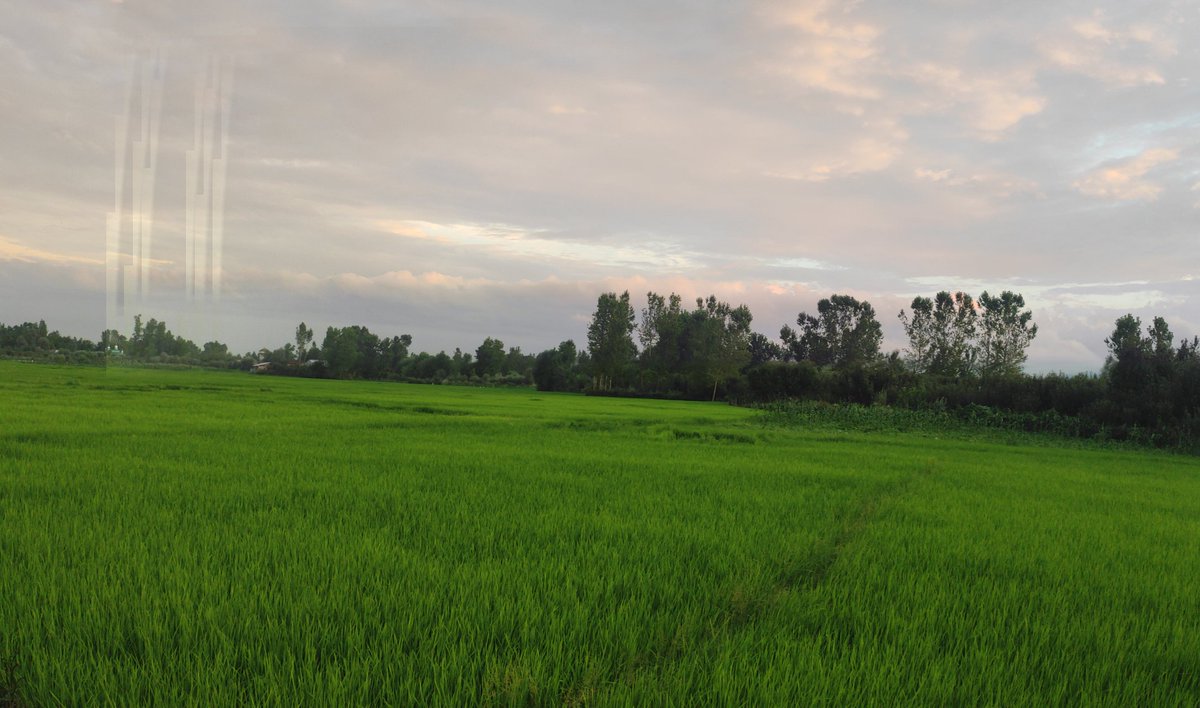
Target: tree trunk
<point x="714" y="397"/>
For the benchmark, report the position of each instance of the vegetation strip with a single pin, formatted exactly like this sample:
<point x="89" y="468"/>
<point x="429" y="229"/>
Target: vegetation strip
<point x="964" y="356"/>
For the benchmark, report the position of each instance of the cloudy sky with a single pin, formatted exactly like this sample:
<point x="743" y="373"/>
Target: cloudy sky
<point x="457" y="170"/>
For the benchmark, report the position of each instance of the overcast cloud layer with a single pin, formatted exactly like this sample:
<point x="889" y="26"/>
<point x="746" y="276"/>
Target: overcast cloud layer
<point x="455" y="170"/>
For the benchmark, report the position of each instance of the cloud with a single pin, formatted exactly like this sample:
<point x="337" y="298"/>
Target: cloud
<point x="834" y="50"/>
<point x="1119" y="58"/>
<point x="824" y="52"/>
<point x="561" y="110"/>
<point x="875" y="149"/>
<point x="455" y="168"/>
<point x="514" y="242"/>
<point x="802" y="263"/>
<point x="1123" y="180"/>
<point x="995" y="184"/>
<point x="993" y="102"/>
<point x="10" y="250"/>
<point x="1091" y="63"/>
<point x="1128" y="300"/>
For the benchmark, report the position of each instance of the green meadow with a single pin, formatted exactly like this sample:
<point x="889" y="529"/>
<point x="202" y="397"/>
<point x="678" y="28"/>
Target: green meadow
<point x="218" y="538"/>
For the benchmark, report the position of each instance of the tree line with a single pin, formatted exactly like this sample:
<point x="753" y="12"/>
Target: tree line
<point x="35" y="338"/>
<point x="962" y="354"/>
<point x="344" y="352"/>
<point x="712" y="349"/>
<point x="356" y="352"/>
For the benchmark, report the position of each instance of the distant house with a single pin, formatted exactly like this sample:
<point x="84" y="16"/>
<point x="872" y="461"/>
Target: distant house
<point x="260" y="368"/>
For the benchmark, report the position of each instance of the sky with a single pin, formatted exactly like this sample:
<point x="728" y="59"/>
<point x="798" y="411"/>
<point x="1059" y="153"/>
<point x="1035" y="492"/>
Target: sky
<point x="456" y="170"/>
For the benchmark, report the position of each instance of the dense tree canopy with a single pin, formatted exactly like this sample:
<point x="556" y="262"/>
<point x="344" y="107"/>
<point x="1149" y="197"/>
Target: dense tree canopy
<point x="1005" y="333"/>
<point x="557" y="369"/>
<point x="154" y="339"/>
<point x="941" y="334"/>
<point x="489" y="357"/>
<point x="610" y="339"/>
<point x="844" y="333"/>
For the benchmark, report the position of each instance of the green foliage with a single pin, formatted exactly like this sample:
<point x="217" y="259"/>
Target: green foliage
<point x="953" y="335"/>
<point x="1127" y="338"/>
<point x="214" y="351"/>
<point x="610" y="339"/>
<point x="518" y="363"/>
<point x="777" y="380"/>
<point x="921" y="332"/>
<point x="112" y="340"/>
<point x="693" y="352"/>
<point x="762" y="350"/>
<point x="557" y="369"/>
<point x="941" y="334"/>
<point x="1005" y="332"/>
<point x="304" y="338"/>
<point x="153" y="339"/>
<point x="176" y="537"/>
<point x="717" y="341"/>
<point x="662" y="333"/>
<point x="35" y="338"/>
<point x="394" y="352"/>
<point x="972" y="421"/>
<point x="350" y="352"/>
<point x="489" y="357"/>
<point x="844" y="334"/>
<point x="961" y="353"/>
<point x="1152" y="385"/>
<point x="342" y="351"/>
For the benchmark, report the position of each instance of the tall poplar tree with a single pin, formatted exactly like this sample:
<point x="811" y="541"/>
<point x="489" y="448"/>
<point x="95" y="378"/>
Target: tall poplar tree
<point x="1005" y="332"/>
<point x="610" y="339"/>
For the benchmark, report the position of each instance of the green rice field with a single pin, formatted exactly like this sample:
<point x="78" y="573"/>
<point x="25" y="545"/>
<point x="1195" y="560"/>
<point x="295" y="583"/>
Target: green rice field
<point x="219" y="538"/>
